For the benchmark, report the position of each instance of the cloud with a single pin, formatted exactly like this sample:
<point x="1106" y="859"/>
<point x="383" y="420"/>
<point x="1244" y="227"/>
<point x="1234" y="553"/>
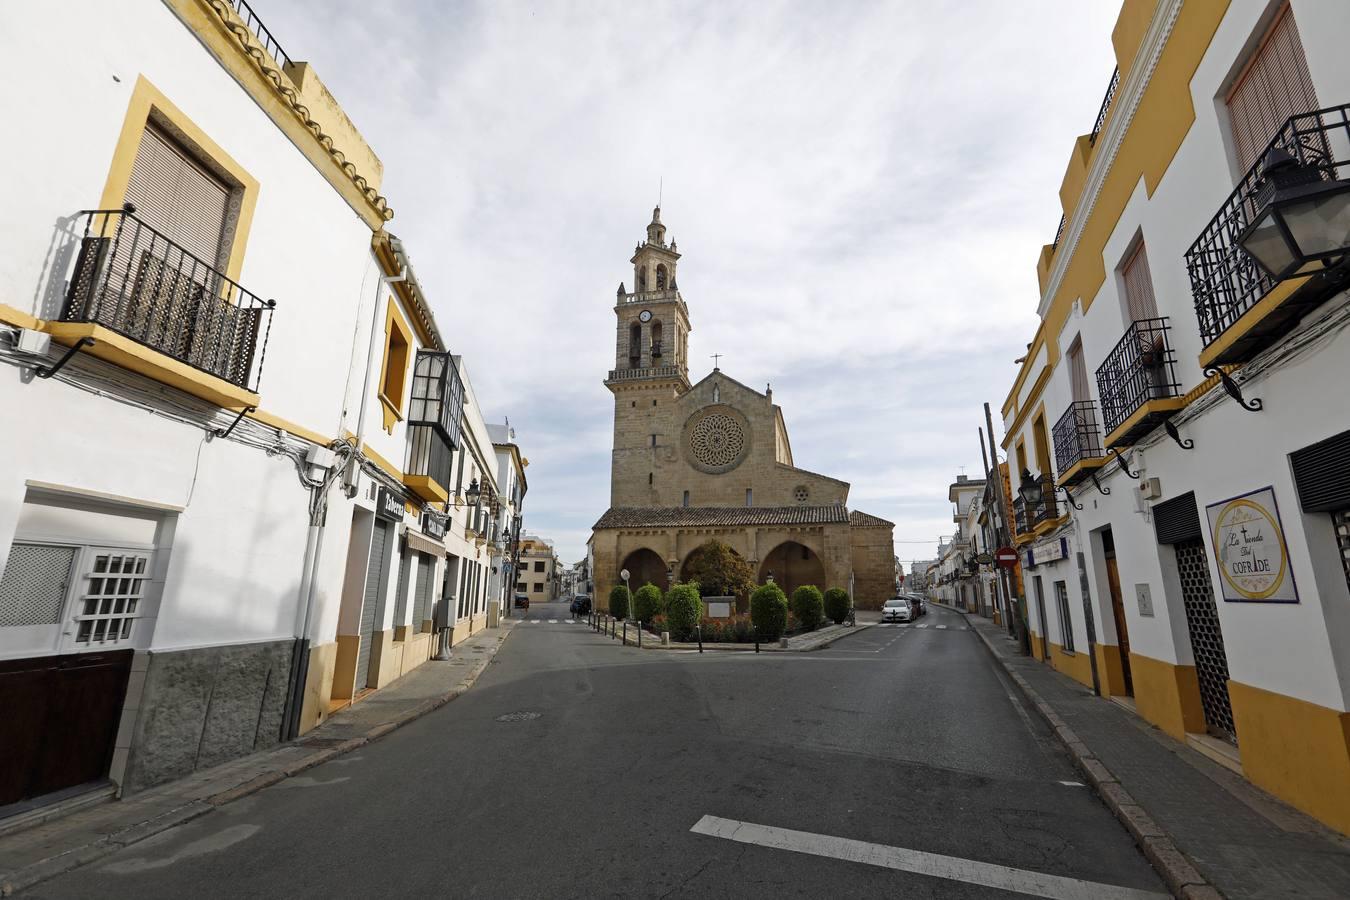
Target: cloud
<point x="860" y="191"/>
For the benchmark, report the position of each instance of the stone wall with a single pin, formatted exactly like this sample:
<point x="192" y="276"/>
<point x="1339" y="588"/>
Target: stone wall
<point x="873" y="566"/>
<point x="206" y="706"/>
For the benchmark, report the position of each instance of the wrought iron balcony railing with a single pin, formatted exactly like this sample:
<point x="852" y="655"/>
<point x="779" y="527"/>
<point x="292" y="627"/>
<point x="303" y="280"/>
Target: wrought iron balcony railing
<point x="1225" y="281"/>
<point x="1077" y="436"/>
<point x="1020" y="518"/>
<point x="1047" y="509"/>
<point x="1140" y="369"/>
<point x="1106" y="105"/>
<point x="133" y="280"/>
<point x="255" y="25"/>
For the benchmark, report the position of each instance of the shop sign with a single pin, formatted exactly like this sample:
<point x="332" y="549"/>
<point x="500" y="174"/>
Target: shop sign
<point x="985" y="559"/>
<point x="388" y="505"/>
<point x="433" y="526"/>
<point x="1250" y="549"/>
<point x="1050" y="551"/>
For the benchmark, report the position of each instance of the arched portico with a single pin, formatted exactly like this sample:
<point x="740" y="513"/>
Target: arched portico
<point x="644" y="566"/>
<point x="792" y="565"/>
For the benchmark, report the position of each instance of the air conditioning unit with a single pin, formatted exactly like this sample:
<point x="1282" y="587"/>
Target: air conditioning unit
<point x="1151" y="488"/>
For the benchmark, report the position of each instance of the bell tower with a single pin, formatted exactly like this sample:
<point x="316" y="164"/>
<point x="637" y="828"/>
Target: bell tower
<point x="651" y="367"/>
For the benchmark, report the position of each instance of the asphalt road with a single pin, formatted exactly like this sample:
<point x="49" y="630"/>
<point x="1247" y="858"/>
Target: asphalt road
<point x="894" y="764"/>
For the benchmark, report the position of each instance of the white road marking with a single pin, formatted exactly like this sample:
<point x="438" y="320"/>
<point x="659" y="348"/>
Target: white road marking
<point x="924" y="625"/>
<point x="570" y="621"/>
<point x="940" y="626"/>
<point x="1073" y="784"/>
<point x="884" y="625"/>
<point x="952" y="868"/>
<point x="553" y="621"/>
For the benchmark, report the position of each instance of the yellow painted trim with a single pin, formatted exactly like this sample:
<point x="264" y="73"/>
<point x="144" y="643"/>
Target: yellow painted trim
<point x="226" y="38"/>
<point x="1150" y="407"/>
<point x="394" y="323"/>
<point x="129" y="354"/>
<point x="18" y="317"/>
<point x="1110" y="671"/>
<point x="1082" y="467"/>
<point x="383" y="463"/>
<point x="1250" y="319"/>
<point x="427" y="488"/>
<point x="1032" y="404"/>
<point x="286" y="425"/>
<point x="1299" y="751"/>
<point x="1076" y="665"/>
<point x="384" y="255"/>
<point x="1037" y="341"/>
<point x="1049" y="525"/>
<point x="145" y="99"/>
<point x="1168" y="695"/>
<point x="1158" y="126"/>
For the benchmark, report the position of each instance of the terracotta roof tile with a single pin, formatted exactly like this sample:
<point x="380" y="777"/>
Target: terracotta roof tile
<point x="863" y="520"/>
<point x="674" y="516"/>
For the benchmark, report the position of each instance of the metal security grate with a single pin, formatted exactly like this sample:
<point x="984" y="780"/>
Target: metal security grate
<point x="1341" y="519"/>
<point x="1202" y="621"/>
<point x="33" y="585"/>
<point x="111" y="601"/>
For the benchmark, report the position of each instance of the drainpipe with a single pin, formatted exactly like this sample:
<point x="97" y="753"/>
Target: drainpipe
<point x="314" y="540"/>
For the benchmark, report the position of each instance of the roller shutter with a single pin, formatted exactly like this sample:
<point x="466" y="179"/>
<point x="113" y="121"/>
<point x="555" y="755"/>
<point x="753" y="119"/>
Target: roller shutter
<point x="1177" y="520"/>
<point x="377" y="577"/>
<point x="1322" y="474"/>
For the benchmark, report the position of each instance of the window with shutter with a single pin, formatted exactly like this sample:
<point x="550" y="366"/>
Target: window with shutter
<point x="1274" y="86"/>
<point x="1139" y="300"/>
<point x="1078" y="376"/>
<point x="177" y="196"/>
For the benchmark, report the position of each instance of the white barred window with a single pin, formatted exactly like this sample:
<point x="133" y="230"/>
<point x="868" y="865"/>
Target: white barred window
<point x="110" y="597"/>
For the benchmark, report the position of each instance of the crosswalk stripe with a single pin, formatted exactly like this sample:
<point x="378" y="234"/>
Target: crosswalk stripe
<point x="924" y="625"/>
<point x="553" y="621"/>
<point x="884" y="625"/>
<point x="570" y="621"/>
<point x="941" y="626"/>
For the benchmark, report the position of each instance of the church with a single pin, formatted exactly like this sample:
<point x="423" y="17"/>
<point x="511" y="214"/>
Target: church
<point x="712" y="460"/>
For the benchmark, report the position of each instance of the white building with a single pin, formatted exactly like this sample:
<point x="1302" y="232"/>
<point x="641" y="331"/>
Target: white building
<point x="236" y="470"/>
<point x="1194" y="400"/>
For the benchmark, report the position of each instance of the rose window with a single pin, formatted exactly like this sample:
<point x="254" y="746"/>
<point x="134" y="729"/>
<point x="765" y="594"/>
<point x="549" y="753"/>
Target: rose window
<point x="717" y="440"/>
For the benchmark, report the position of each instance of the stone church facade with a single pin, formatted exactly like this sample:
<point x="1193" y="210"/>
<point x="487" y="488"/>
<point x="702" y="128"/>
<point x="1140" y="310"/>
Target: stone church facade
<point x="712" y="460"/>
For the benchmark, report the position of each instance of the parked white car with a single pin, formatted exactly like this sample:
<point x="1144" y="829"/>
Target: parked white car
<point x="897" y="609"/>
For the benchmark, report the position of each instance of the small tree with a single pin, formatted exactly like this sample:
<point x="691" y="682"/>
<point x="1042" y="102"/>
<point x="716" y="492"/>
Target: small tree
<point x="618" y="601"/>
<point x="647" y="603"/>
<point x="769" y="611"/>
<point x="719" y="571"/>
<point x="683" y="608"/>
<point x="836" y="605"/>
<point x="808" y="606"/>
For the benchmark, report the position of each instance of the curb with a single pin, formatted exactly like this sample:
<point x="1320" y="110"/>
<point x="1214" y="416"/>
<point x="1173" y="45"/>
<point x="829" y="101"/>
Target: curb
<point x="1178" y="872"/>
<point x="654" y="643"/>
<point x="77" y="857"/>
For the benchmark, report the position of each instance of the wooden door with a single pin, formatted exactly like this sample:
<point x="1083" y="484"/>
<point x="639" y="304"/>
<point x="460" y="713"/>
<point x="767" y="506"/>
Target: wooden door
<point x="1118" y="613"/>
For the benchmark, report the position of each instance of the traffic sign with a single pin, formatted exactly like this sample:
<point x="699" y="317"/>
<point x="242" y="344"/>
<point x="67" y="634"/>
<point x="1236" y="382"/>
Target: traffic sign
<point x="1006" y="557"/>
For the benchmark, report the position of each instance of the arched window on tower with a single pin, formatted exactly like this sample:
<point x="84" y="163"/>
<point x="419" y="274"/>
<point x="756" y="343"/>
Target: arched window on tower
<point x="635" y="346"/>
<point x="660" y="278"/>
<point x="642" y="279"/>
<point x="656" y="340"/>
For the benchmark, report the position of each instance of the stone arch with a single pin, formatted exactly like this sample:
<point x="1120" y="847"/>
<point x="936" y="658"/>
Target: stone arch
<point x="644" y="565"/>
<point x="793" y="564"/>
<point x="662" y="277"/>
<point x="656" y="338"/>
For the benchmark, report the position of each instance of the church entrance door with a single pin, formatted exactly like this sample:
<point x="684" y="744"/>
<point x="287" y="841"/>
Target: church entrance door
<point x="644" y="566"/>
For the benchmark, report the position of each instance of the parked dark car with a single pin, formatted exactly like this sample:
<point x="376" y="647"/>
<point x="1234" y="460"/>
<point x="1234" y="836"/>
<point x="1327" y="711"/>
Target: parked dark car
<point x="522" y="601"/>
<point x="581" y="605"/>
<point x="920" y="605"/>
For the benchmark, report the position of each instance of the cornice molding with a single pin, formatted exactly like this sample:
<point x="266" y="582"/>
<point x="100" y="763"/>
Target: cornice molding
<point x="281" y="85"/>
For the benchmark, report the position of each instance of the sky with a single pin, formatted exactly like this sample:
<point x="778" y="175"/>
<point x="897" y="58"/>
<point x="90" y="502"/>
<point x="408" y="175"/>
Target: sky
<point x="859" y="190"/>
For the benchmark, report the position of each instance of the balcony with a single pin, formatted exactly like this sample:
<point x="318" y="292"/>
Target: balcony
<point x="1078" y="443"/>
<point x="152" y="307"/>
<point x="1240" y="307"/>
<point x="1137" y="383"/>
<point x="651" y="296"/>
<point x="636" y="373"/>
<point x="435" y="406"/>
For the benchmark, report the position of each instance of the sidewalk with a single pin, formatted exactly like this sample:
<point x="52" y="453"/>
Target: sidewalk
<point x="1202" y="826"/>
<point x="48" y="849"/>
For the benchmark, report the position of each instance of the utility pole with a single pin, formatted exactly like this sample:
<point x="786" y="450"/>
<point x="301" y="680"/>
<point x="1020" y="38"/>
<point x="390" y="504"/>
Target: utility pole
<point x="1005" y="539"/>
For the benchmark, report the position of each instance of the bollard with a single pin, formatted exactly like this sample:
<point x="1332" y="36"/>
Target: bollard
<point x="756" y="640"/>
<point x="639" y="634"/>
<point x="698" y="630"/>
<point x="625" y="632"/>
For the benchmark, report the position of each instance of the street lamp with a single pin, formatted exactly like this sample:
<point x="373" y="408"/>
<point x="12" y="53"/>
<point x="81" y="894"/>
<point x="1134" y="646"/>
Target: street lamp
<point x="473" y="493"/>
<point x="623" y="573"/>
<point x="1302" y="218"/>
<point x="1030" y="490"/>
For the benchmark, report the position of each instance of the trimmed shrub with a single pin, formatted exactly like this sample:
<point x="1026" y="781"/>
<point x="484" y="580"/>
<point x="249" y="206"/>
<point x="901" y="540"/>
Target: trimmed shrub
<point x="683" y="609"/>
<point x="836" y="605"/>
<point x="769" y="611"/>
<point x="808" y="606"/>
<point x="619" y="600"/>
<point x="647" y="603"/>
<point x="719" y="571"/>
